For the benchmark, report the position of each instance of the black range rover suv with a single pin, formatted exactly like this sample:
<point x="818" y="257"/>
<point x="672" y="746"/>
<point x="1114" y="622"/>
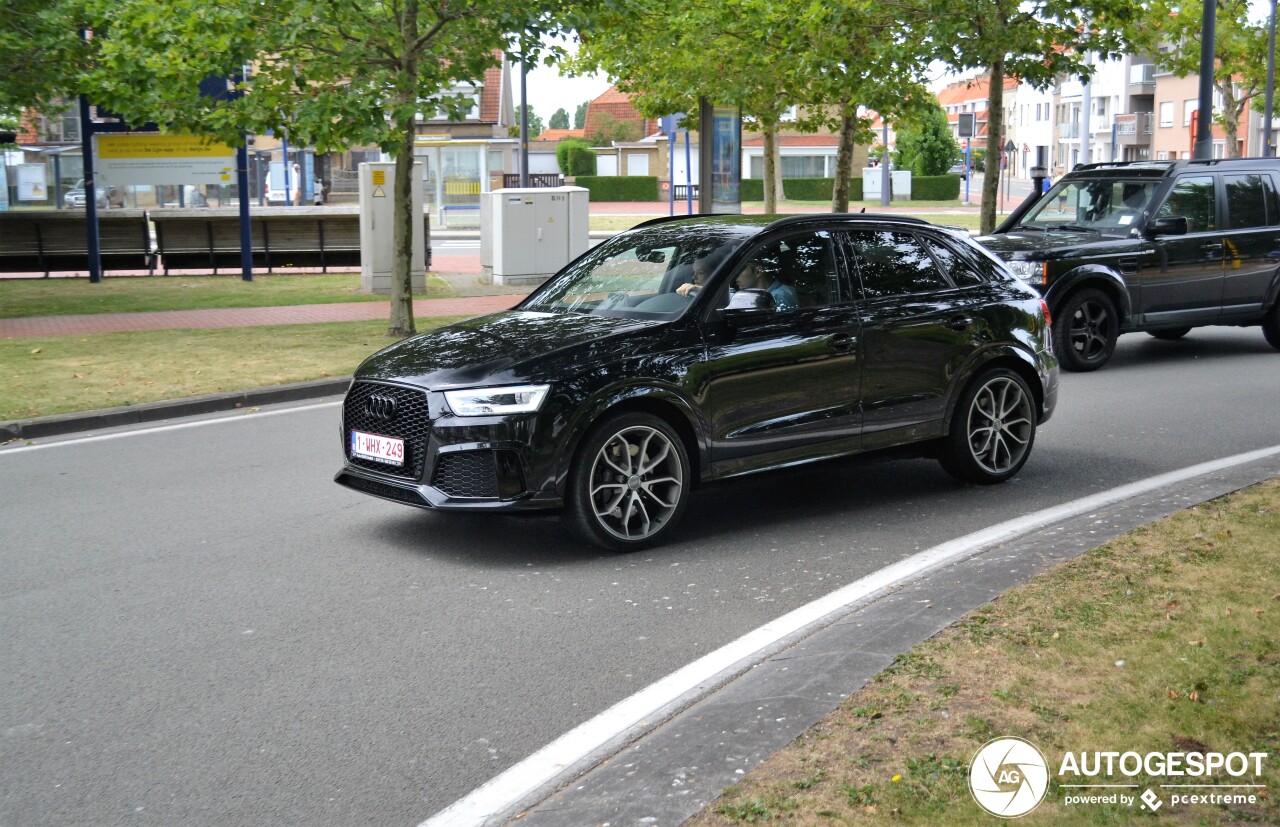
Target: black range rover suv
<point x="1159" y="247"/>
<point x="694" y="349"/>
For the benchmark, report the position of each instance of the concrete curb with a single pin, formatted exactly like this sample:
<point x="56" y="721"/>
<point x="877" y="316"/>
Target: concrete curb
<point x="171" y="409"/>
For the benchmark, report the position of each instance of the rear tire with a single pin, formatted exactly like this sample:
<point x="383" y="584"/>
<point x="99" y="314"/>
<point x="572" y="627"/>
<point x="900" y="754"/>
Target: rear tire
<point x="992" y="429"/>
<point x="1171" y="334"/>
<point x="628" y="485"/>
<point x="1085" y="330"/>
<point x="1271" y="326"/>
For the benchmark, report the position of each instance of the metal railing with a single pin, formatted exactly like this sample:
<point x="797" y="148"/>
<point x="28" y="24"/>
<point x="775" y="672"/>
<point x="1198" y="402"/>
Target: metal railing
<point x="1142" y="73"/>
<point x="536" y="179"/>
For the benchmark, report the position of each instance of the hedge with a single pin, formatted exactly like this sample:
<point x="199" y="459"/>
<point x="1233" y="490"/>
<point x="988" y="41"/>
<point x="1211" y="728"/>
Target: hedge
<point x="579" y="160"/>
<point x="620" y="187"/>
<point x="801" y="189"/>
<point x="935" y="187"/>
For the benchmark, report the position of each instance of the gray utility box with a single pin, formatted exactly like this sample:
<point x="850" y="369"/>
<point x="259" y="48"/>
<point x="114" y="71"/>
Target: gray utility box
<point x="377" y="206"/>
<point x="526" y="235"/>
<point x="899" y="184"/>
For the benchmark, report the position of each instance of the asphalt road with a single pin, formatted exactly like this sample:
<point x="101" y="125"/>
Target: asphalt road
<point x="200" y="628"/>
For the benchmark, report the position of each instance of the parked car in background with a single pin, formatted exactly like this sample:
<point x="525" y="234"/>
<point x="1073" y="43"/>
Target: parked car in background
<point x="1160" y="247"/>
<point x="697" y="349"/>
<point x="105" y="196"/>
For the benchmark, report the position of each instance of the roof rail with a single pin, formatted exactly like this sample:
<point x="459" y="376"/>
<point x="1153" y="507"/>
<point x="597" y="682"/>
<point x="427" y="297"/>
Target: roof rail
<point x="855" y="216"/>
<point x="1186" y="162"/>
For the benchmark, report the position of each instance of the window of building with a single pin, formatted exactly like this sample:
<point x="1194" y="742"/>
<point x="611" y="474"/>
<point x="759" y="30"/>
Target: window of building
<point x="804" y="166"/>
<point x="463" y="99"/>
<point x="1188" y="110"/>
<point x="1166" y="113"/>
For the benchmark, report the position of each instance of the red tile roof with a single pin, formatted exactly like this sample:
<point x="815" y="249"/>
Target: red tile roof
<point x="560" y="134"/>
<point x="616" y="105"/>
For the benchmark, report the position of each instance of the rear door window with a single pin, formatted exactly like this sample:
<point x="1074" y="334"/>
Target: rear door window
<point x="894" y="264"/>
<point x="1251" y="201"/>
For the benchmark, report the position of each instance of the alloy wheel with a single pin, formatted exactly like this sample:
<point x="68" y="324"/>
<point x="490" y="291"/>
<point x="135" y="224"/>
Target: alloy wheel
<point x="1090" y="331"/>
<point x="636" y="480"/>
<point x="1000" y="425"/>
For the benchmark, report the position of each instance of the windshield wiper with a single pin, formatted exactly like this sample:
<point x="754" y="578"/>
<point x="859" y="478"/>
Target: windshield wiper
<point x="1074" y="228"/>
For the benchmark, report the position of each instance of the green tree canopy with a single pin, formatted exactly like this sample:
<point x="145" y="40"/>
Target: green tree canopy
<point x="925" y="143"/>
<point x="580" y="115"/>
<point x="535" y="123"/>
<point x="559" y="119"/>
<point x="1173" y="31"/>
<point x="1034" y="41"/>
<point x="335" y="75"/>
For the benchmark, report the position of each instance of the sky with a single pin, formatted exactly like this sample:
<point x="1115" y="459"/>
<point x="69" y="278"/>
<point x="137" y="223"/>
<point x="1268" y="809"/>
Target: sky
<point x="548" y="91"/>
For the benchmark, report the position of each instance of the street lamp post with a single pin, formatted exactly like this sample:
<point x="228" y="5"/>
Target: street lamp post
<point x="1267" y="151"/>
<point x="1203" y="148"/>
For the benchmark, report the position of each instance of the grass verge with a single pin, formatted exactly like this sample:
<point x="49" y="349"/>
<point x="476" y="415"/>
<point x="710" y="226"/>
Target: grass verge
<point x="43" y="376"/>
<point x="1164" y="640"/>
<point x="20" y="298"/>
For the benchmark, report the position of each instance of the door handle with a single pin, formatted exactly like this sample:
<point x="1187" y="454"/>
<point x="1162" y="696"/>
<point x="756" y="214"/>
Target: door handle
<point x="959" y="323"/>
<point x="841" y="341"/>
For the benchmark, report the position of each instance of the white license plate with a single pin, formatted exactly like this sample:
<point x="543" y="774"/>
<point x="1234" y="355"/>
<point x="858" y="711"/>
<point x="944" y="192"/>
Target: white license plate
<point x="386" y="449"/>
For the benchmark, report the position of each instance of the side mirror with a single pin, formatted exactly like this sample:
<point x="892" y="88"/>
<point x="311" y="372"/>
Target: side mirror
<point x="746" y="304"/>
<point x="1174" y="225"/>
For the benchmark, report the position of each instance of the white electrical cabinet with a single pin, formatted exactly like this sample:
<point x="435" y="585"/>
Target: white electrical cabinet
<point x="529" y="234"/>
<point x="377" y="207"/>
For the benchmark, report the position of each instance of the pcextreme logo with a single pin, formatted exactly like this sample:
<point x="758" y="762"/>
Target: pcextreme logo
<point x="1009" y="777"/>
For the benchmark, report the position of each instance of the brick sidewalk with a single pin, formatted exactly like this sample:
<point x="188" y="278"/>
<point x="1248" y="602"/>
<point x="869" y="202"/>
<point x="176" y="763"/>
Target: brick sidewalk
<point x="245" y="317"/>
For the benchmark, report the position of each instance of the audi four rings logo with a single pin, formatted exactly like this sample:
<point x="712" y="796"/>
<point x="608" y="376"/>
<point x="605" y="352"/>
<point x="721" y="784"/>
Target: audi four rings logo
<point x="380" y="406"/>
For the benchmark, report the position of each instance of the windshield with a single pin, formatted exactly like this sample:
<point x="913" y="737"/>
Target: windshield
<point x="639" y="274"/>
<point x="1104" y="205"/>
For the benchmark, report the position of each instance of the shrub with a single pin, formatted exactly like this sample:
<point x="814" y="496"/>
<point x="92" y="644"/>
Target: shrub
<point x="575" y="157"/>
<point x="800" y="189"/>
<point x="620" y="187"/>
<point x="935" y="187"/>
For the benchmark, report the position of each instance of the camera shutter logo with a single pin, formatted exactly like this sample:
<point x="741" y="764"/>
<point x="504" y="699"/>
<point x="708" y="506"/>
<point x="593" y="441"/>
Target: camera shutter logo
<point x="1008" y="777"/>
<point x="381" y="406"/>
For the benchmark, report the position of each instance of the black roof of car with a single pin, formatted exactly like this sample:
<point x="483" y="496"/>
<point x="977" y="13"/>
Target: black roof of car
<point x="1160" y="169"/>
<point x="762" y="221"/>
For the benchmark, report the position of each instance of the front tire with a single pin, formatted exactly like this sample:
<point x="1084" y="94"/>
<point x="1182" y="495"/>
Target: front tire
<point x="1271" y="326"/>
<point x="629" y="483"/>
<point x="992" y="429"/>
<point x="1085" y="330"/>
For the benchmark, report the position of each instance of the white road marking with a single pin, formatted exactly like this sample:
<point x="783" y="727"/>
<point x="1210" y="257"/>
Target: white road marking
<point x="542" y="768"/>
<point x="178" y="426"/>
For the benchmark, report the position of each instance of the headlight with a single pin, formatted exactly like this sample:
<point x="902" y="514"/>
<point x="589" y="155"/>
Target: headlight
<point x="490" y="401"/>
<point x="1031" y="272"/>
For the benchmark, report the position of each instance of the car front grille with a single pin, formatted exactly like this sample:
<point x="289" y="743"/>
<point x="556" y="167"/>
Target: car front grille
<point x="471" y="474"/>
<point x="410" y="422"/>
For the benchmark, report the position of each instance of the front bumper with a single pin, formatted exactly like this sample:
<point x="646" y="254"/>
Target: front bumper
<point x="450" y="463"/>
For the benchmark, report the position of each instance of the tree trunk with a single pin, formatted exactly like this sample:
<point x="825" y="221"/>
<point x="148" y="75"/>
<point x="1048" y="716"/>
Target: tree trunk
<point x="995" y="135"/>
<point x="401" y="323"/>
<point x="770" y="183"/>
<point x="1232" y="109"/>
<point x="844" y="157"/>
